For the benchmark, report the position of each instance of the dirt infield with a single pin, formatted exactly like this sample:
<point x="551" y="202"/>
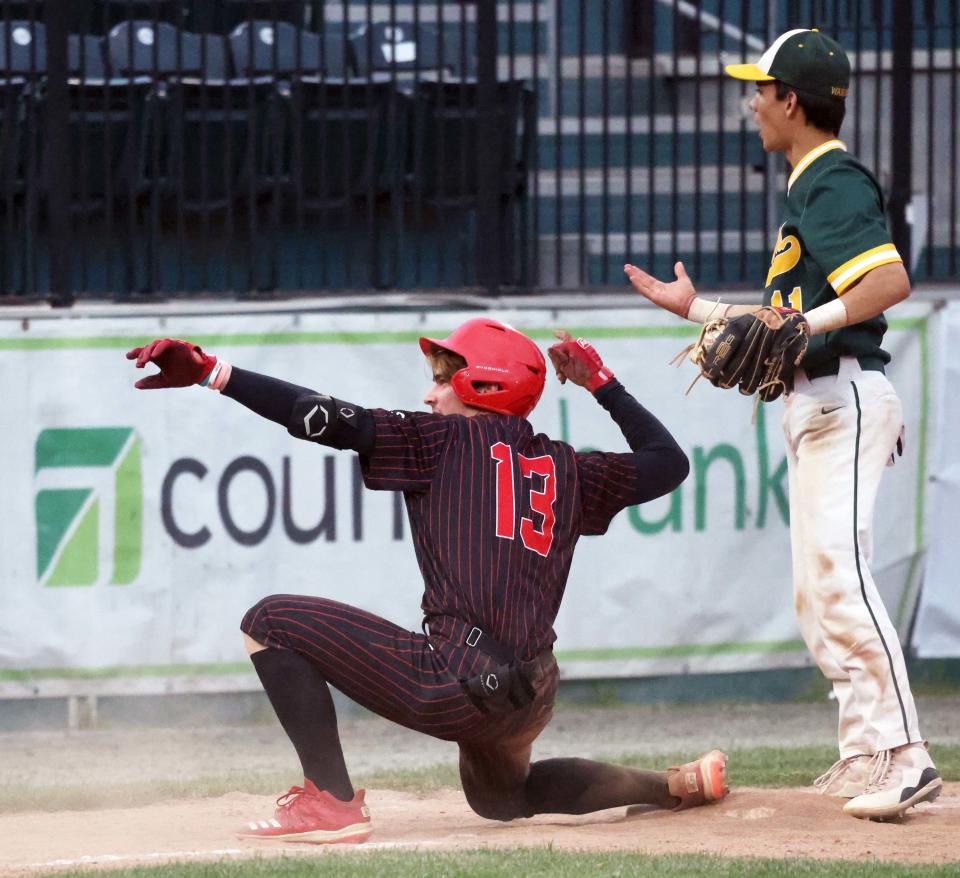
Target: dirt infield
<point x="750" y="822"/>
<point x="145" y="755"/>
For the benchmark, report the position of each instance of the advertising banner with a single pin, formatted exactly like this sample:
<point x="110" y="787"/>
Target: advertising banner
<point x="937" y="633"/>
<point x="140" y="525"/>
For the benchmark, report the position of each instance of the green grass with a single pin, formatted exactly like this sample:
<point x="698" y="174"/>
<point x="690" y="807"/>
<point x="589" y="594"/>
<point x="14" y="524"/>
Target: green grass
<point x="413" y="780"/>
<point x="528" y="863"/>
<point x="753" y="767"/>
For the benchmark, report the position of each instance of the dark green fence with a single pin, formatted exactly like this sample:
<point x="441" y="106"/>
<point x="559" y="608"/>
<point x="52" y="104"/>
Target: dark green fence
<point x="258" y="148"/>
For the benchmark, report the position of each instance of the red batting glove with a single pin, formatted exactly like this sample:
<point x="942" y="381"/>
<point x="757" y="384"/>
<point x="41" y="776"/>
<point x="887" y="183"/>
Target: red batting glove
<point x="181" y="363"/>
<point x="579" y="362"/>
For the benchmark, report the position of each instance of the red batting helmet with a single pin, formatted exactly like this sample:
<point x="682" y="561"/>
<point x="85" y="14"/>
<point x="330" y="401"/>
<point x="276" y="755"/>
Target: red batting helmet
<point x="495" y="354"/>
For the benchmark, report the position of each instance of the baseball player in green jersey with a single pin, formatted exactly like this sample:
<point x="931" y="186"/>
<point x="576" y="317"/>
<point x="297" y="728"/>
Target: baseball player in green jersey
<point x="834" y="261"/>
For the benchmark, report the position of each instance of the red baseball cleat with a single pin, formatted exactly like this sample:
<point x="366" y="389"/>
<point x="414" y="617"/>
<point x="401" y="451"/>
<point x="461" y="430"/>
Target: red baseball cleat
<point x="309" y="814"/>
<point x="699" y="782"/>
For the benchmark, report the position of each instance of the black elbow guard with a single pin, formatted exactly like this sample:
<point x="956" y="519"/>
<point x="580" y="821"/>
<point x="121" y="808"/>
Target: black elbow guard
<point x="329" y="421"/>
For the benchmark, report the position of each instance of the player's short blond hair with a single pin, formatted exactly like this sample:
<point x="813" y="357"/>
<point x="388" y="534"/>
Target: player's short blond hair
<point x="445" y="364"/>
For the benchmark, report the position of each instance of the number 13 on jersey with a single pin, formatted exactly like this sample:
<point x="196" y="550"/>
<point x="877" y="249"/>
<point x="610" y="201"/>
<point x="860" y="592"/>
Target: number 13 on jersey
<point x="537" y="540"/>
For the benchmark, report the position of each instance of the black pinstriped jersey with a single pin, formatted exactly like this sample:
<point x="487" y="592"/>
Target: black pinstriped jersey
<point x="495" y="513"/>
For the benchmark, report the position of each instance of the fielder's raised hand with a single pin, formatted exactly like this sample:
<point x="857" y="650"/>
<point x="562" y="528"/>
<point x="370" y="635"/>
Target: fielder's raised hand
<point x="576" y="360"/>
<point x="676" y="296"/>
<point x="181" y="364"/>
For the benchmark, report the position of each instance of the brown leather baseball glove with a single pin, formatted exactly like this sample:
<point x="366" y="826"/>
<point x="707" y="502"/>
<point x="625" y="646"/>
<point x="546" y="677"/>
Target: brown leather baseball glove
<point x="756" y="352"/>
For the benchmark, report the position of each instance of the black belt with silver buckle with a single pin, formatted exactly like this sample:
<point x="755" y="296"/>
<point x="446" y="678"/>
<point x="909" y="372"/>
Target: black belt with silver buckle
<point x="478" y="639"/>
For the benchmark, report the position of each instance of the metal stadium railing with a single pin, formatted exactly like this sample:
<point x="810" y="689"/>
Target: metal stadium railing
<point x="255" y="148"/>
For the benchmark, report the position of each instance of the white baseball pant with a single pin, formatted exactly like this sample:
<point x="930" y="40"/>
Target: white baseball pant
<point x="840" y="432"/>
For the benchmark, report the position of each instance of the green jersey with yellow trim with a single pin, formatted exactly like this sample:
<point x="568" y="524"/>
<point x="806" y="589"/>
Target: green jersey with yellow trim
<point x="834" y="232"/>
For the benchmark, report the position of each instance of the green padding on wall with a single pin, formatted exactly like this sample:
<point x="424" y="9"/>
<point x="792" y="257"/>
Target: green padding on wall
<point x="78" y="563"/>
<point x="56" y="510"/>
<point x="128" y="520"/>
<point x="78" y="447"/>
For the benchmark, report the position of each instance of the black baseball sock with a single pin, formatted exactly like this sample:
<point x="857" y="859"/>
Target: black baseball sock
<point x="301" y="699"/>
<point x="581" y="786"/>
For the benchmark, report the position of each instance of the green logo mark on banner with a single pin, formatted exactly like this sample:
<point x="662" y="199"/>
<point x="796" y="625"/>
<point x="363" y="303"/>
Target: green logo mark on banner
<point x="89" y="506"/>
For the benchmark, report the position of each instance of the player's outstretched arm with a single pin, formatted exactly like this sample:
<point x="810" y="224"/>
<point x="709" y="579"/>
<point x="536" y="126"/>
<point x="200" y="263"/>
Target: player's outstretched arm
<point x="680" y="297"/>
<point x="305" y="413"/>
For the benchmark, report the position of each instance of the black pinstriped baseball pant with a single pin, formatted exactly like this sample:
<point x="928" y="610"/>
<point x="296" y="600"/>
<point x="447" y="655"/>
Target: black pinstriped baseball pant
<point x="414" y="680"/>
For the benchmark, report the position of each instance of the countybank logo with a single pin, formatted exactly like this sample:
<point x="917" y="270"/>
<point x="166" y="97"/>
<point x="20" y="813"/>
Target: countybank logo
<point x="89" y="506"/>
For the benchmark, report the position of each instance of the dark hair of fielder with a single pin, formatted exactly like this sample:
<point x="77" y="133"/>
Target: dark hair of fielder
<point x="826" y="114"/>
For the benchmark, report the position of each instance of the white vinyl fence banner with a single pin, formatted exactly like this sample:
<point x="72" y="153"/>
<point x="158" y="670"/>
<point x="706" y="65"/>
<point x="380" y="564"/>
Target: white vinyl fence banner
<point x="139" y="526"/>
<point x="937" y="633"/>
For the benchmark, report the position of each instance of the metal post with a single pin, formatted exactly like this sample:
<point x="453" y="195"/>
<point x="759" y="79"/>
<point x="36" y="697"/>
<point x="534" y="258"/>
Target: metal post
<point x="56" y="134"/>
<point x="901" y="146"/>
<point x="775" y="165"/>
<point x="489" y="234"/>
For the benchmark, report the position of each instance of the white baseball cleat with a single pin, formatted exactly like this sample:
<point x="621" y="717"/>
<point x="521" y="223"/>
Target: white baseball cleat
<point x="847" y="777"/>
<point x="904" y="778"/>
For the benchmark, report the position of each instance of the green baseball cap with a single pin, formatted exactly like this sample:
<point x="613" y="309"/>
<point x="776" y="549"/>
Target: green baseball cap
<point x="806" y="59"/>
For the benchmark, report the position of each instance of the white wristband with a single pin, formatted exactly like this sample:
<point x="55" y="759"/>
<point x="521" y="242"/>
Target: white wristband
<point x="823" y="318"/>
<point x="219" y="375"/>
<point x="702" y="310"/>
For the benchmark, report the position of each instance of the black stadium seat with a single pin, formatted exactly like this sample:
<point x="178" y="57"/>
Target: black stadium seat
<point x="99" y="128"/>
<point x="445" y="133"/>
<point x="86" y="59"/>
<point x="203" y="130"/>
<point x="342" y="144"/>
<point x="105" y="120"/>
<point x="386" y="48"/>
<point x="16" y="132"/>
<point x="144" y="48"/>
<point x="215" y="140"/>
<point x="23" y="62"/>
<point x="199" y="128"/>
<point x="444" y="172"/>
<point x="266" y="47"/>
<point x="23" y="48"/>
<point x="275" y="54"/>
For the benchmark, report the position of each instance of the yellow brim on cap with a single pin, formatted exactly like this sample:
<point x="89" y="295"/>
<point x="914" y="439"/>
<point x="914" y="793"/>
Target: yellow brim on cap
<point x="749" y="72"/>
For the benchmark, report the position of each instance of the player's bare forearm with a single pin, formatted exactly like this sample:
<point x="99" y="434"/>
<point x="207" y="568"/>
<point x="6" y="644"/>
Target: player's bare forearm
<point x="875" y="292"/>
<point x="870" y="296"/>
